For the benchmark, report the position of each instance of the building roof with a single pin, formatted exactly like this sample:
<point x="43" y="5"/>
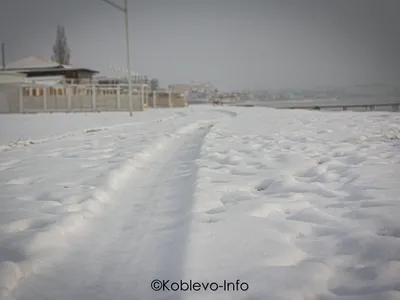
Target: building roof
<point x="32" y="62"/>
<point x="35" y="63"/>
<point x="55" y="70"/>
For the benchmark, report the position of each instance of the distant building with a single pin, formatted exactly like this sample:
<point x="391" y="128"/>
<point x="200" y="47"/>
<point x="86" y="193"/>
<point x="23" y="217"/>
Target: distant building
<point x="193" y="87"/>
<point x="179" y="88"/>
<point x="33" y="66"/>
<point x="207" y="88"/>
<point x="152" y="82"/>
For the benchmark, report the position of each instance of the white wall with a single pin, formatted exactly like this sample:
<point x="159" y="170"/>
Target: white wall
<point x="9" y="100"/>
<point x="11" y="77"/>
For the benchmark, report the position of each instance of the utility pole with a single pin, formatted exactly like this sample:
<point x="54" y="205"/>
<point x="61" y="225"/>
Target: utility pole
<point x="3" y="56"/>
<point x="128" y="53"/>
<point x="128" y="57"/>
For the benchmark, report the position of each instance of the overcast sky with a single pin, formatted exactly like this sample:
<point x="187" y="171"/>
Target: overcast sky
<point x="234" y="44"/>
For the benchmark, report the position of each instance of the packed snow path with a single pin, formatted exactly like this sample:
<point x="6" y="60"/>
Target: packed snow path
<point x="133" y="182"/>
<point x="121" y="254"/>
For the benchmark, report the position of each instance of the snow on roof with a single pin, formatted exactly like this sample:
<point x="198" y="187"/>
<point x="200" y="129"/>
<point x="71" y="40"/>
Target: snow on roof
<point x="67" y="66"/>
<point x="32" y="62"/>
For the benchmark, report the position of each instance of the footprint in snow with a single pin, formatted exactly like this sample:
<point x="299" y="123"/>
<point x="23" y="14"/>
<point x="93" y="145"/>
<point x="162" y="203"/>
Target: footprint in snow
<point x="216" y="210"/>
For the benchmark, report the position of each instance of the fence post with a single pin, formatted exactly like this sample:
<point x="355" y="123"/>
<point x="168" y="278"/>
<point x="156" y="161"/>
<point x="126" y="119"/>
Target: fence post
<point x="69" y="92"/>
<point x="118" y="97"/>
<point x="142" y="96"/>
<point x="21" y="99"/>
<point x="93" y="97"/>
<point x="154" y="99"/>
<point x="45" y="98"/>
<point x="186" y="99"/>
<point x="147" y="96"/>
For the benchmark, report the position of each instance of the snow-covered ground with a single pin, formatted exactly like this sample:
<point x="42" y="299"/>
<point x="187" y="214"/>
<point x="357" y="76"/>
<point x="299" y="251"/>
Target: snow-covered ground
<point x="21" y="130"/>
<point x="294" y="204"/>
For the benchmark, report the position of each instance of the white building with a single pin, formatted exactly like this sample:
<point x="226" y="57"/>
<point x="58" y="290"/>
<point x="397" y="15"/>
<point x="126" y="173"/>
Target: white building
<point x="9" y="77"/>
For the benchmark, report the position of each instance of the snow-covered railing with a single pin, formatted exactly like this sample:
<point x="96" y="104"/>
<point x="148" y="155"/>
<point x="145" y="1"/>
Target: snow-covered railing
<point x="39" y="97"/>
<point x="368" y="107"/>
<point x="36" y="97"/>
<point x="367" y="104"/>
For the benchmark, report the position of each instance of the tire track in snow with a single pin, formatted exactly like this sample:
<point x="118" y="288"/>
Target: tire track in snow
<point x="143" y="237"/>
<point x="34" y="249"/>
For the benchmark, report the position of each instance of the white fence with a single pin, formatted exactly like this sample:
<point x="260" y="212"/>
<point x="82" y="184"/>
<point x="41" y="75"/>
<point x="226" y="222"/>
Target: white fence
<point x="33" y="98"/>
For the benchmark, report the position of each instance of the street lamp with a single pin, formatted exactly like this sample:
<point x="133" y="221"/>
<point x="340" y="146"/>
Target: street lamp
<point x="128" y="52"/>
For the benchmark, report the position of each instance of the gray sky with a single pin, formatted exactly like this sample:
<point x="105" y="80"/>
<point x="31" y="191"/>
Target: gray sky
<point x="234" y="44"/>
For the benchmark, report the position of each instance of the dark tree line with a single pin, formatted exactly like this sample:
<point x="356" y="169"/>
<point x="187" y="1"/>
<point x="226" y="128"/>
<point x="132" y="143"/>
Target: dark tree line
<point x="61" y="51"/>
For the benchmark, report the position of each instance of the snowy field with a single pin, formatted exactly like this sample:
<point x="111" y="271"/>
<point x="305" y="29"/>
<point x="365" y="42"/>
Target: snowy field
<point x="295" y="204"/>
<point x="18" y="130"/>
